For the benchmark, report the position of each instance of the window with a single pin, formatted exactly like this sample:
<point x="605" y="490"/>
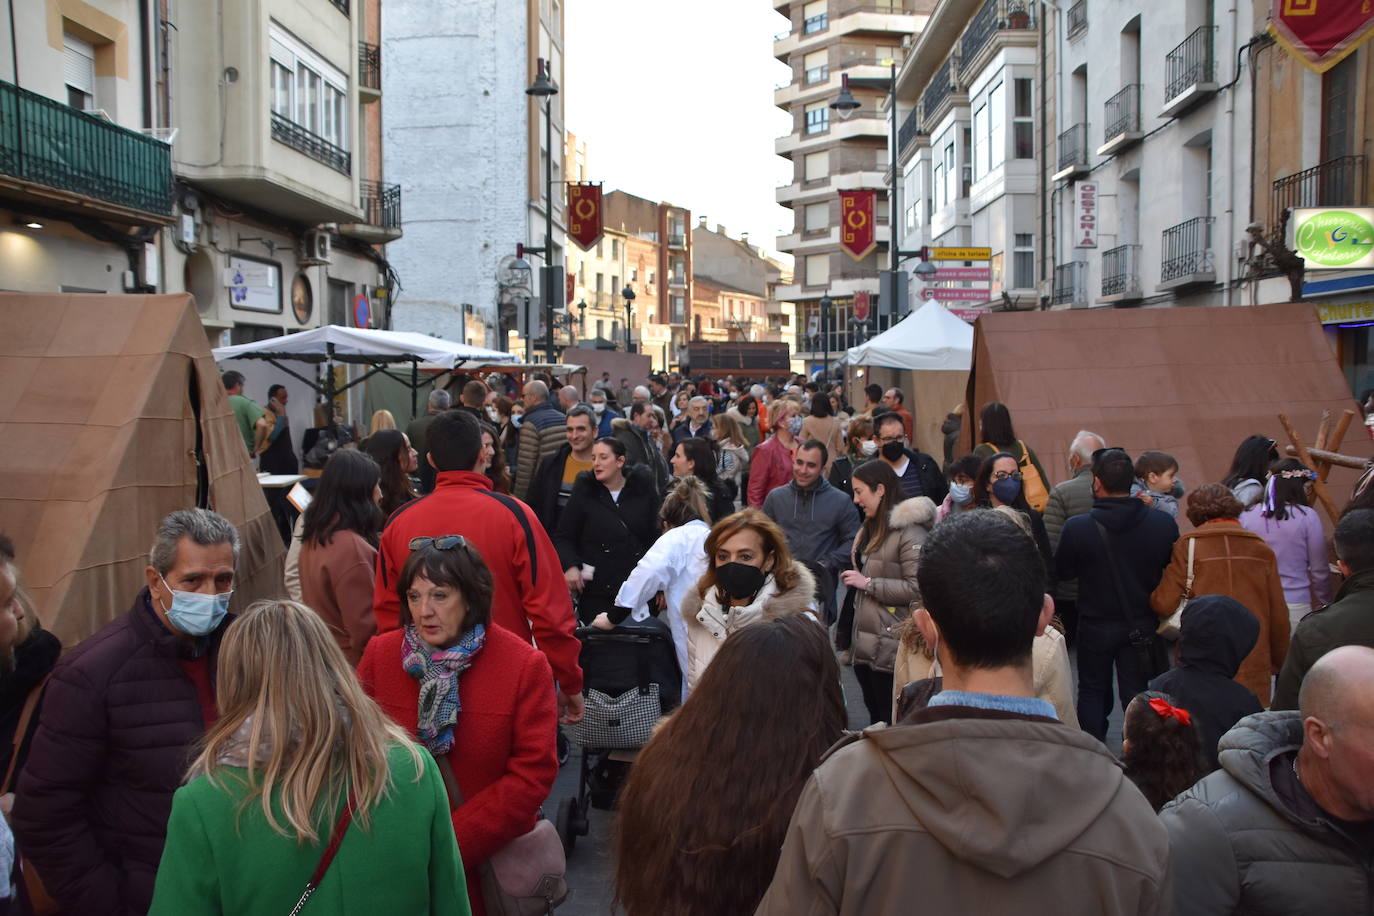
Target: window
<point x="615" y="249"/>
<point x="308" y="90"/>
<point x="817" y="67"/>
<point x="817" y="216"/>
<point x="997" y="127"/>
<point x="1338" y="109"/>
<point x="817" y="166"/>
<point x="653" y="277"/>
<point x="949" y="194"/>
<point x="601" y="327"/>
<point x="615" y="284"/>
<point x="1023" y="262"/>
<point x="78" y="72"/>
<point x="938" y="186"/>
<point x="600" y="282"/>
<point x="1023" y="123"/>
<point x="282" y="82"/>
<point x="817" y="117"/>
<point x="818" y="270"/>
<point x="980" y="143"/>
<point x="634" y="275"/>
<point x="814" y="17"/>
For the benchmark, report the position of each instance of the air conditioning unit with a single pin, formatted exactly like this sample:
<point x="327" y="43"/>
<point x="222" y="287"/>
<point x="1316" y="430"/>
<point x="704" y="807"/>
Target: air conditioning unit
<point x="314" y="249"/>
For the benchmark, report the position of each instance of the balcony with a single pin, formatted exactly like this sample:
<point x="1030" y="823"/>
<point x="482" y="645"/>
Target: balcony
<point x="1073" y="152"/>
<point x="1121" y="114"/>
<point x="381" y="206"/>
<point x="311" y="144"/>
<point x="1071" y="284"/>
<point x="1186" y="256"/>
<point x="341" y="5"/>
<point x="1334" y="183"/>
<point x="55" y="152"/>
<point x="1121" y="274"/>
<point x="994" y="16"/>
<point x="909" y="130"/>
<point x="677" y="280"/>
<point x="1077" y="18"/>
<point x="1189" y="73"/>
<point x="940" y="88"/>
<point x="677" y="240"/>
<point x="369" y="72"/>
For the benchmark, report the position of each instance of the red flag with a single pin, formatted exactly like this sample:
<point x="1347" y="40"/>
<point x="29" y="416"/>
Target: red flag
<point x="863" y="301"/>
<point x="858" y="235"/>
<point x="1320" y="33"/>
<point x="571" y="284"/>
<point x="584" y="213"/>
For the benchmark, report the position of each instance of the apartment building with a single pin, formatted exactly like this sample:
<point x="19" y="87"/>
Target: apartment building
<point x="472" y="151"/>
<point x="826" y="44"/>
<point x="661" y="316"/>
<point x="600" y="277"/>
<point x="736" y="284"/>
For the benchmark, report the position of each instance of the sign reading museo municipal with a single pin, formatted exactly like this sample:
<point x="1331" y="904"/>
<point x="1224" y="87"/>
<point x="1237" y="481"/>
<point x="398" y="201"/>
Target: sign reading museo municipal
<point x="1334" y="238"/>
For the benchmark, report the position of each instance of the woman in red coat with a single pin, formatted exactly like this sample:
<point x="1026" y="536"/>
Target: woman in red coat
<point x="488" y="703"/>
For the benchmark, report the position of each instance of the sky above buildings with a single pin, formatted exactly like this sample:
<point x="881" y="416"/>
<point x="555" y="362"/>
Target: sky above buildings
<point x="675" y="103"/>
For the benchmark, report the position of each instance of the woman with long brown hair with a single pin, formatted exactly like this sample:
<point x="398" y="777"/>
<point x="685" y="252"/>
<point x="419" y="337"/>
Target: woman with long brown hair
<point x="703" y="815"/>
<point x="391" y="449"/>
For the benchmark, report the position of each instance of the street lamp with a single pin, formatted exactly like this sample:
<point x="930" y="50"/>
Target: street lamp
<point x="825" y="339"/>
<point x="629" y="296"/>
<point x="582" y="316"/>
<point x="543" y="88"/>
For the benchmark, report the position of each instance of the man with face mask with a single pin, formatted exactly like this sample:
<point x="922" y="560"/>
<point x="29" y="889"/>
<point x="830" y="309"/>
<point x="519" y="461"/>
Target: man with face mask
<point x="605" y="414"/>
<point x="121" y="714"/>
<point x="919" y="473"/>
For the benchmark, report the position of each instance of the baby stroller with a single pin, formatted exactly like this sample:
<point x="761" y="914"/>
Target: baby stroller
<point x="630" y="680"/>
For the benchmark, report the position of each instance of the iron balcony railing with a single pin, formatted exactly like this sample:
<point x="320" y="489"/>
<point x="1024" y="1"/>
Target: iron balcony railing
<point x="1334" y="183"/>
<point x="1071" y="283"/>
<point x="910" y="129"/>
<point x="1078" y="17"/>
<point x="677" y="312"/>
<point x="994" y="16"/>
<point x="311" y="144"/>
<point x="54" y="145"/>
<point x="369" y="66"/>
<point x="677" y="279"/>
<point x="1189" y="64"/>
<point x="816" y="24"/>
<point x="1073" y="146"/>
<point x="1121" y="271"/>
<point x="1122" y="113"/>
<point x="1187" y="249"/>
<point x="941" y="85"/>
<point x="341" y="5"/>
<point x="677" y="240"/>
<point x="381" y="204"/>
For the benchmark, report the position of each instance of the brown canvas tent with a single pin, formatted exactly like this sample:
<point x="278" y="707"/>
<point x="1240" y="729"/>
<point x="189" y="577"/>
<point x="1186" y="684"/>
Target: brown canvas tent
<point x="1192" y="382"/>
<point x="104" y="401"/>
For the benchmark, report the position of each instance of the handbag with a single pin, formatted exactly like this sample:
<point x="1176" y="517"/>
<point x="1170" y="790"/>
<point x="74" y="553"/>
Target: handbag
<point x="622" y="722"/>
<point x="340" y="828"/>
<point x="1172" y="626"/>
<point x="39" y="902"/>
<point x="1032" y="484"/>
<point x="526" y="876"/>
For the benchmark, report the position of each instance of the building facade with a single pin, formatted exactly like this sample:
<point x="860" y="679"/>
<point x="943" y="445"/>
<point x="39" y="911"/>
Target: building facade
<point x="742" y="284"/>
<point x="659" y="249"/>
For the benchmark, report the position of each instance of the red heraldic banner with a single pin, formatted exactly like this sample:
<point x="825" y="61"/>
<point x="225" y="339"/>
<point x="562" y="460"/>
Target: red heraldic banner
<point x="1320" y="33"/>
<point x="584" y="214"/>
<point x="858" y="232"/>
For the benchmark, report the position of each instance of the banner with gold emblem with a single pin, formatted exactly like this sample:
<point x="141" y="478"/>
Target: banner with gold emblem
<point x="1320" y="33"/>
<point x="584" y="213"/>
<point x="858" y="232"/>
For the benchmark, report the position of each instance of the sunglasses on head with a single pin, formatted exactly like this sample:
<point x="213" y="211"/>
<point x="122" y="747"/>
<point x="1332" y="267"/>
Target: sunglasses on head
<point x="442" y="542"/>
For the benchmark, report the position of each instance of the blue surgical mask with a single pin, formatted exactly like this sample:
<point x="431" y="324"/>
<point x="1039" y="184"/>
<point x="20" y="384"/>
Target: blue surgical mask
<point x="196" y="613"/>
<point x="959" y="494"/>
<point x="794" y="426"/>
<point x="516" y="419"/>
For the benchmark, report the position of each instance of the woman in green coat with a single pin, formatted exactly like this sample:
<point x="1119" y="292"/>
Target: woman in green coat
<point x="298" y="745"/>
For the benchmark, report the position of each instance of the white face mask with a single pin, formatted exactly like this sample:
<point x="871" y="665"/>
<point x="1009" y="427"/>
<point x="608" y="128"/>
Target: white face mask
<point x="868" y="447"/>
<point x="598" y="407"/>
<point x="492" y="414"/>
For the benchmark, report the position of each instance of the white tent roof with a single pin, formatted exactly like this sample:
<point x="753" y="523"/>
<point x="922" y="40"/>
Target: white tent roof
<point x="364" y="345"/>
<point x="928" y="338"/>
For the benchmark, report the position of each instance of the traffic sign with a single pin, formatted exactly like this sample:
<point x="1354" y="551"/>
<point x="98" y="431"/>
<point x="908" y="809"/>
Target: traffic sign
<point x="961" y="254"/>
<point x="952" y="294"/>
<point x="963" y="273"/>
<point x="362" y="312"/>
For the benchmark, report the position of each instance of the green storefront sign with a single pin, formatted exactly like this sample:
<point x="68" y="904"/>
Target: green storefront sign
<point x="1334" y="238"/>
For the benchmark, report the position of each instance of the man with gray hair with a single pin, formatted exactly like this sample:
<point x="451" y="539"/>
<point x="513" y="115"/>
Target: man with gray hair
<point x="641" y="395"/>
<point x="121" y="714"/>
<point x="542" y="432"/>
<point x="1069" y="498"/>
<point x="418" y="431"/>
<point x="698" y="422"/>
<point x="568" y="398"/>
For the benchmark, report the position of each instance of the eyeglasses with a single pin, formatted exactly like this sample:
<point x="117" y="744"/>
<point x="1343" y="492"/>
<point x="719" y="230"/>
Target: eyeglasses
<point x="887" y="439"/>
<point x="1006" y="475"/>
<point x="442" y="542"/>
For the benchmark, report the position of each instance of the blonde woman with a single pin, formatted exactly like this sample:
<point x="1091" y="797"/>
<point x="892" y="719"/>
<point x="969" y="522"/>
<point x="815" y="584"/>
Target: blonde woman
<point x="382" y="419"/>
<point x="300" y="756"/>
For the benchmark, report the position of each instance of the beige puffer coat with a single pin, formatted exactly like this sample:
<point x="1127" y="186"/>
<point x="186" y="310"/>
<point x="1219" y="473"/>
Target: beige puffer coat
<point x="891" y="593"/>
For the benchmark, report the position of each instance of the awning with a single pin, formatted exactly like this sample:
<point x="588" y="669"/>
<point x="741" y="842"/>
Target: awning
<point x="928" y="338"/>
<point x="333" y="343"/>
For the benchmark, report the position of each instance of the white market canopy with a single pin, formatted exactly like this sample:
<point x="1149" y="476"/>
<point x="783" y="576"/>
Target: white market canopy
<point x="333" y="343"/>
<point x="928" y="338"/>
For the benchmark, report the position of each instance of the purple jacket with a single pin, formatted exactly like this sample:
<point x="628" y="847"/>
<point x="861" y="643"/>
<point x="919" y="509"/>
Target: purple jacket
<point x="1300" y="545"/>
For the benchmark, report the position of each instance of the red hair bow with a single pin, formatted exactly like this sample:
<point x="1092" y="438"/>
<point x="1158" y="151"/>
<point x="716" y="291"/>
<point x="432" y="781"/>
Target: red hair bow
<point x="1166" y="711"/>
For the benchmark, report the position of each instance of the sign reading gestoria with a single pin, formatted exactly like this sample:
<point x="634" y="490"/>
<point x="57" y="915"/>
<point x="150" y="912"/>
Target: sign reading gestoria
<point x="1334" y="238"/>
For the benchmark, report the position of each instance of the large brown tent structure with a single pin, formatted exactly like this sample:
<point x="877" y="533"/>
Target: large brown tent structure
<point x="112" y="415"/>
<point x="1192" y="382"/>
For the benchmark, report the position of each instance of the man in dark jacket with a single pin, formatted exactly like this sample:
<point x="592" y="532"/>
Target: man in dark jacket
<point x="418" y="431"/>
<point x="553" y="481"/>
<point x="919" y="473"/>
<point x="698" y="422"/>
<point x="1216" y="635"/>
<point x="1117" y="552"/>
<point x="121" y="716"/>
<point x="1349" y="620"/>
<point x="640" y="449"/>
<point x="541" y="434"/>
<point x="1286" y="826"/>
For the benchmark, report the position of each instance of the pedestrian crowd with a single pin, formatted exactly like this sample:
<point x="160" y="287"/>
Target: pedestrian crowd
<point x="384" y="736"/>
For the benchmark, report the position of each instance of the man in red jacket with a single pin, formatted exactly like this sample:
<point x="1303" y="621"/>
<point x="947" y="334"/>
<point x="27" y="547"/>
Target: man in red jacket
<point x="529" y="597"/>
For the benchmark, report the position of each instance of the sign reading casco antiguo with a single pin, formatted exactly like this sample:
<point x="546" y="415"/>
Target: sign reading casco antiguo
<point x="1334" y="238"/>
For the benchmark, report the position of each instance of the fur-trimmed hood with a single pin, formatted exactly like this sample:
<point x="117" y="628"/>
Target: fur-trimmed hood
<point x="774" y="605"/>
<point x="919" y="510"/>
<point x="620" y="423"/>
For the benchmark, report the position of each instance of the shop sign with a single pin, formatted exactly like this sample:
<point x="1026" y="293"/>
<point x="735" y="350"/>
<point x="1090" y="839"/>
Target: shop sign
<point x="1085" y="214"/>
<point x="1345" y="313"/>
<point x="253" y="285"/>
<point x="1334" y="238"/>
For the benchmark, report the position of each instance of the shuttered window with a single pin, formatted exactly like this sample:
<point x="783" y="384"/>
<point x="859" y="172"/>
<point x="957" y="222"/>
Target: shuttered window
<point x="78" y="71"/>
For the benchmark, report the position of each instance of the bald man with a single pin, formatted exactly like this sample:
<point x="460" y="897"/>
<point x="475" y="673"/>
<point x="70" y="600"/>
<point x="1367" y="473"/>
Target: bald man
<point x="1287" y="824"/>
<point x="568" y="398"/>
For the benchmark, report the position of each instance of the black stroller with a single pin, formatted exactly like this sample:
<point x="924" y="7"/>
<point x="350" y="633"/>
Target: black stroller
<point x="630" y="680"/>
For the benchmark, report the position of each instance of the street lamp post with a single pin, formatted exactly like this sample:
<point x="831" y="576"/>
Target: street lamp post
<point x="543" y="88"/>
<point x="825" y="337"/>
<point x="628" y="295"/>
<point x="582" y="317"/>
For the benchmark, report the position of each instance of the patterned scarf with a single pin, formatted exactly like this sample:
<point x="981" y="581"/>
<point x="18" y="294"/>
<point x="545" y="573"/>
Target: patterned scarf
<point x="438" y="671"/>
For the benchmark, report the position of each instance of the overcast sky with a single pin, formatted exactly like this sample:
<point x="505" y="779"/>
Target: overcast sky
<point x="675" y="103"/>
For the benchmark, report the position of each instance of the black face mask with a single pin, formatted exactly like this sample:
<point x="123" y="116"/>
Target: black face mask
<point x="893" y="451"/>
<point x="740" y="580"/>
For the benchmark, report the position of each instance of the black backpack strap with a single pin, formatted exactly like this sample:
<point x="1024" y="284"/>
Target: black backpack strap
<point x="516" y="510"/>
<point x="1116" y="576"/>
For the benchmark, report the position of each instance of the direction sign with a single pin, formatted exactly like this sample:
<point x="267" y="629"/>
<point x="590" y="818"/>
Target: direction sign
<point x="948" y="294"/>
<point x="963" y="273"/>
<point x="961" y="254"/>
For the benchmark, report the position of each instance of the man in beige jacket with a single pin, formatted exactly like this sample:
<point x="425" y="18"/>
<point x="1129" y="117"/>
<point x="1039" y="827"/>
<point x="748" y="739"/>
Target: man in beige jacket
<point x="986" y="803"/>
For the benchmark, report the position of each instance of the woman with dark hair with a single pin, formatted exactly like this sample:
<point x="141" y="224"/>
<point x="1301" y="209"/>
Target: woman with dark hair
<point x="1249" y="467"/>
<point x="695" y="456"/>
<point x="746" y="413"/>
<point x="750" y="576"/>
<point x="491" y="461"/>
<point x="339" y="549"/>
<point x="390" y="448"/>
<point x="702" y="817"/>
<point x="963" y="472"/>
<point x="1292" y="529"/>
<point x="823" y="426"/>
<point x="476" y="696"/>
<point x="1000" y="483"/>
<point x="883" y="580"/>
<point x="859" y="448"/>
<point x="996" y="435"/>
<point x="609" y="522"/>
<point x="1161" y="747"/>
<point x="1228" y="560"/>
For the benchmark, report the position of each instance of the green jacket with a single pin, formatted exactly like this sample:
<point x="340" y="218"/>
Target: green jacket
<point x="1347" y="621"/>
<point x="246" y="414"/>
<point x="405" y="862"/>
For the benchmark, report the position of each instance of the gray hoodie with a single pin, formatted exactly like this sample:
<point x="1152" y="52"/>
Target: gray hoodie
<point x="820" y="522"/>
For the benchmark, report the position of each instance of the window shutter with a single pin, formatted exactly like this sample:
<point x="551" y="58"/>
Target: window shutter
<point x="78" y="64"/>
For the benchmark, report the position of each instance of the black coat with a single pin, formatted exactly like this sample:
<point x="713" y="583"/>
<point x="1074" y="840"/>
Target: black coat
<point x="1142" y="542"/>
<point x="33" y="660"/>
<point x="1217" y="633"/>
<point x="542" y="495"/>
<point x="609" y="535"/>
<point x="118" y="724"/>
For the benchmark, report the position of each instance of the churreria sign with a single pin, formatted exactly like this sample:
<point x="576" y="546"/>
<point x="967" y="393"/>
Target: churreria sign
<point x="1334" y="238"/>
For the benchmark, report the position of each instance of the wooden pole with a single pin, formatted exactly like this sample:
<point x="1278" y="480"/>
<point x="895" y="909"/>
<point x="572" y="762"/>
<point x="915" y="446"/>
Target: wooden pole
<point x="1333" y="444"/>
<point x="1329" y="458"/>
<point x="1318" y="485"/>
<point x="1323" y="431"/>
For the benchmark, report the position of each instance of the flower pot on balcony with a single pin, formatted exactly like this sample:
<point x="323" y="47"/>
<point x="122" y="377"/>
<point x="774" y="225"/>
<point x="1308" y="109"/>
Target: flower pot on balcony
<point x="1019" y="19"/>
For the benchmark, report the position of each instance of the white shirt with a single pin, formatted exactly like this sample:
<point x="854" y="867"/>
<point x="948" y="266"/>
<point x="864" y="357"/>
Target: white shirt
<point x="672" y="565"/>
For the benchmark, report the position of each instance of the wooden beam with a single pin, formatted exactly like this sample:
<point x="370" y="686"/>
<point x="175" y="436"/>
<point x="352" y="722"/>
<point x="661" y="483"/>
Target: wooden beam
<point x="1318" y="485"/>
<point x="1332" y="458"/>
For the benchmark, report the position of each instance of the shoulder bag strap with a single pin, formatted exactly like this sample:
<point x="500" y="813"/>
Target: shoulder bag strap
<point x="340" y="828"/>
<point x="1188" y="585"/>
<point x="21" y="730"/>
<point x="455" y="794"/>
<point x="1111" y="564"/>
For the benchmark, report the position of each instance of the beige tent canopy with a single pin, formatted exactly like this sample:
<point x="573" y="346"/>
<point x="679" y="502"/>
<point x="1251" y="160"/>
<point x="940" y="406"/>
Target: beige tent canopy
<point x="105" y="403"/>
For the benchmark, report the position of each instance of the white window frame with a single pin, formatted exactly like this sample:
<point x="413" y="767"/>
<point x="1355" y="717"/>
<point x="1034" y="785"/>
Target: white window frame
<point x="303" y="64"/>
<point x="1018" y="251"/>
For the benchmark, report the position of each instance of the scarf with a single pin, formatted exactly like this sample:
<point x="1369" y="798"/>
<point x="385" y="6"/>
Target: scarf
<point x="438" y="671"/>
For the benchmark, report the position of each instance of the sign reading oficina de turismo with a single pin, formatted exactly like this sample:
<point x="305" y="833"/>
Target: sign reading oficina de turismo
<point x="1334" y="238"/>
